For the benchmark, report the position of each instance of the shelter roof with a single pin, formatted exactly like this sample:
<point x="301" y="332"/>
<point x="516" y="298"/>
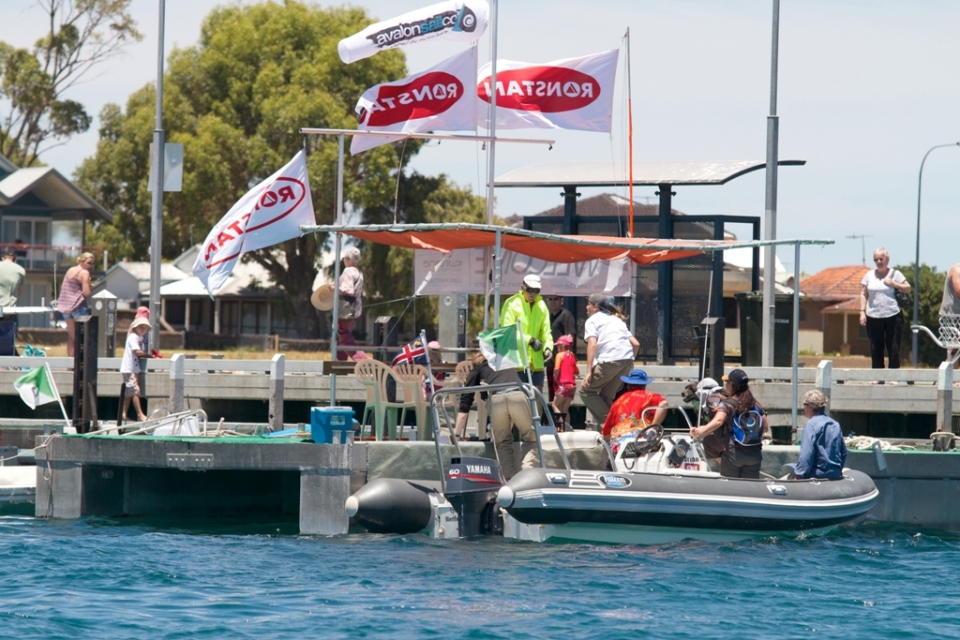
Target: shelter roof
<point x="610" y="174"/>
<point x="834" y="284"/>
<point x="446" y="237"/>
<point x="51" y="187"/>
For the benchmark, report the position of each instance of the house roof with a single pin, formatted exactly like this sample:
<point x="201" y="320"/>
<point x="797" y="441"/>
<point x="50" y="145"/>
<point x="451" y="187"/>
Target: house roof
<point x="141" y="271"/>
<point x="51" y="187"/>
<point x="608" y="204"/>
<point x="247" y="278"/>
<point x="835" y="284"/>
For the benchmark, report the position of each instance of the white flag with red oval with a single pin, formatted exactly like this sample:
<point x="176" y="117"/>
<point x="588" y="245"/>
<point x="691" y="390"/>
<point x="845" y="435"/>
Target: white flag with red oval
<point x="268" y="214"/>
<point x="439" y="99"/>
<point x="574" y="93"/>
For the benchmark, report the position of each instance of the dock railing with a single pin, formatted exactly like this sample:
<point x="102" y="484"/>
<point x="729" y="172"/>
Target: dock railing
<point x="182" y="383"/>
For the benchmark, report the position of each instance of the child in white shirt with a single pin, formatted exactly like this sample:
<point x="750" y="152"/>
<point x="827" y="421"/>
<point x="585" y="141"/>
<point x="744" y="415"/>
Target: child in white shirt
<point x="130" y="366"/>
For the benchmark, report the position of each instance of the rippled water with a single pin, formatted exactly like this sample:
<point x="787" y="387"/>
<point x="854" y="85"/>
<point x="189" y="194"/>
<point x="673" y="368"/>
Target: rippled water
<point x="116" y="578"/>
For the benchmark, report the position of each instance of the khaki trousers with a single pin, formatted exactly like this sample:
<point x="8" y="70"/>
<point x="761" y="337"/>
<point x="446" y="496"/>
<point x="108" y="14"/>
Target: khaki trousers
<point x="605" y="384"/>
<point x="507" y="408"/>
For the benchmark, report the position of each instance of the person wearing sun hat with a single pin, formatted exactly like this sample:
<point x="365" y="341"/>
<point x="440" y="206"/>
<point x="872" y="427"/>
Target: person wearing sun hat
<point x="743" y="422"/>
<point x="611" y="352"/>
<point x="636" y="409"/>
<point x="529" y="309"/>
<point x="564" y="380"/>
<point x="134" y="349"/>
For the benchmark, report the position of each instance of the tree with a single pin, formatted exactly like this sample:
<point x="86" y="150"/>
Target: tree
<point x="422" y="199"/>
<point x="930" y="297"/>
<point x="236" y="101"/>
<point x="83" y="33"/>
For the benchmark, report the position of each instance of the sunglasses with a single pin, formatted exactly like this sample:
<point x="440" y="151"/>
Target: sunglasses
<point x="551" y="298"/>
<point x="533" y="291"/>
<point x="881" y="259"/>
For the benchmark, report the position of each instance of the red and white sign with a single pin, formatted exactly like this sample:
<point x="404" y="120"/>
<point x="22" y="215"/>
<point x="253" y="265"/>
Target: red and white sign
<point x="576" y="93"/>
<point x="268" y="214"/>
<point x="439" y="99"/>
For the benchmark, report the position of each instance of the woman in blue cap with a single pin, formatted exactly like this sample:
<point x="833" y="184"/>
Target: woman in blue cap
<point x="636" y="409"/>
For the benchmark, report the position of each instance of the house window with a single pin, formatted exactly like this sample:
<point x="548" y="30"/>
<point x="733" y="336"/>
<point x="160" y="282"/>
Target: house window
<point x="31" y="232"/>
<point x="254" y="317"/>
<point x="229" y="310"/>
<point x="176" y="312"/>
<point x="26" y="230"/>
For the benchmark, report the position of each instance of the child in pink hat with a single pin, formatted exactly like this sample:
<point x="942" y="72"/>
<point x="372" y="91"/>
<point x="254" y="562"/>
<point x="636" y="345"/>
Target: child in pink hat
<point x="565" y="376"/>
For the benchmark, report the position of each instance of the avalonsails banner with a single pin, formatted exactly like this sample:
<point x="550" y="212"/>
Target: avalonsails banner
<point x="457" y="20"/>
<point x="438" y="99"/>
<point x="462" y="271"/>
<point x="574" y="93"/>
<point x="268" y="214"/>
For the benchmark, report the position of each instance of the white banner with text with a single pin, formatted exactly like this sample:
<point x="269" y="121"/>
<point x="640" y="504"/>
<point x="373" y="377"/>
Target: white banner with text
<point x="462" y="271"/>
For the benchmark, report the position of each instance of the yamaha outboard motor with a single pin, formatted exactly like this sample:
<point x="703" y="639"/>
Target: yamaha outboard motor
<point x="472" y="485"/>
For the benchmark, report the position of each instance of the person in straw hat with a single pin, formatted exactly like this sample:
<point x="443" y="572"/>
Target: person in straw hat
<point x="351" y="304"/>
<point x="134" y="349"/>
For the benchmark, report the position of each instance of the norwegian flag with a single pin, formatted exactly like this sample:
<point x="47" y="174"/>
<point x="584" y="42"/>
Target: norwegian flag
<point x="413" y="353"/>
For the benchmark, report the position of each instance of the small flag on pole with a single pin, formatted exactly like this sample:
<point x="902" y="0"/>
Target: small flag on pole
<point x="499" y="347"/>
<point x="35" y="388"/>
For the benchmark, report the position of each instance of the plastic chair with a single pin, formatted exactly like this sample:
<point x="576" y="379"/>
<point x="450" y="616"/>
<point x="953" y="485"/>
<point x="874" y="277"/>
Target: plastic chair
<point x="410" y="378"/>
<point x="461" y="373"/>
<point x="373" y="375"/>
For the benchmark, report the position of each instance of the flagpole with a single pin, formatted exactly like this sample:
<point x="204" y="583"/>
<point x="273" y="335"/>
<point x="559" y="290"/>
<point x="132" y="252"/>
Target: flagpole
<point x="635" y="280"/>
<point x="492" y="159"/>
<point x="53" y="383"/>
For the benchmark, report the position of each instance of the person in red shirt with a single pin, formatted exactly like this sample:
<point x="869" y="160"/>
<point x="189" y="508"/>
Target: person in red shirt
<point x="636" y="409"/>
<point x="564" y="376"/>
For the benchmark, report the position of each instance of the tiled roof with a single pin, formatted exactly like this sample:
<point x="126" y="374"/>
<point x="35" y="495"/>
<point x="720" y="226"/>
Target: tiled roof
<point x="608" y="204"/>
<point x="836" y="284"/>
<point x="847" y="306"/>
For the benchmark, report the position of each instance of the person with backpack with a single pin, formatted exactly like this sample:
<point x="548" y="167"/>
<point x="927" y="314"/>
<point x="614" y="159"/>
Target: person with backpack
<point x="743" y="422"/>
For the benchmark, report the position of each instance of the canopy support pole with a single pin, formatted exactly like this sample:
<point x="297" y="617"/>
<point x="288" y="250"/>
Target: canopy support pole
<point x="796" y="328"/>
<point x="335" y="312"/>
<point x="664" y="279"/>
<point x="491" y="164"/>
<point x="496" y="281"/>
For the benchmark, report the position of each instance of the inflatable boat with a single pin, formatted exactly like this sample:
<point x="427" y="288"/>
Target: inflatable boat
<point x="655" y="489"/>
<point x="668" y="494"/>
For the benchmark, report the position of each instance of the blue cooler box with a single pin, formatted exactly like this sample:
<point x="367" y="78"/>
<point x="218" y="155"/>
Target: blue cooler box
<point x="325" y="420"/>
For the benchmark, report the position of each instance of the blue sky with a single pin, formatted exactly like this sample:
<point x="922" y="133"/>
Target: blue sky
<point x="865" y="89"/>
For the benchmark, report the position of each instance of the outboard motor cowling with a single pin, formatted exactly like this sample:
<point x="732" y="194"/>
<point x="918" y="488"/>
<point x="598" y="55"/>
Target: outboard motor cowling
<point x="472" y="485"/>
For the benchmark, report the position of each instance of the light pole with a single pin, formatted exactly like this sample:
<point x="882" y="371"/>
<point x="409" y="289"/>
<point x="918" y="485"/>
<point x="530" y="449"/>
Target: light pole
<point x="916" y="260"/>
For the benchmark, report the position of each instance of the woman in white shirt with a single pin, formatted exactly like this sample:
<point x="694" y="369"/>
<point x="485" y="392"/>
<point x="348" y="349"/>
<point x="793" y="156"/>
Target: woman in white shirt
<point x="879" y="311"/>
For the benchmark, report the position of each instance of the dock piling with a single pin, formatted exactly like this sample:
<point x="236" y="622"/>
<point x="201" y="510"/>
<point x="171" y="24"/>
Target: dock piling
<point x="176" y="383"/>
<point x="276" y="392"/>
<point x="945" y="397"/>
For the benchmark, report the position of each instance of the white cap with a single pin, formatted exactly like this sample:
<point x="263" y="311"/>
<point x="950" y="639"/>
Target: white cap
<point x="707" y="384"/>
<point x="532" y="281"/>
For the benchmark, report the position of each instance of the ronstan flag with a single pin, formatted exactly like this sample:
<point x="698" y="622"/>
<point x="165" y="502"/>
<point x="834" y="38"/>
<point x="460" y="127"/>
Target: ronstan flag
<point x="268" y="214"/>
<point x="499" y="347"/>
<point x="457" y="20"/>
<point x="439" y="99"/>
<point x="575" y="93"/>
<point x="35" y="388"/>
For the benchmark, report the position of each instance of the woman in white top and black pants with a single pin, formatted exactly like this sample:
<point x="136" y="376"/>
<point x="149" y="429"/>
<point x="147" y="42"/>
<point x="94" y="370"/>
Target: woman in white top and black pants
<point x="879" y="311"/>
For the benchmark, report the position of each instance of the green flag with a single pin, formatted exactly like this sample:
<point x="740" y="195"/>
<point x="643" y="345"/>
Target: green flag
<point x="499" y="347"/>
<point x="35" y="388"/>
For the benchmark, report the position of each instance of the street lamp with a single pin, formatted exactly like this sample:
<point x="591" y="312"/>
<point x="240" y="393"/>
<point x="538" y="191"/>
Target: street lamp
<point x="916" y="261"/>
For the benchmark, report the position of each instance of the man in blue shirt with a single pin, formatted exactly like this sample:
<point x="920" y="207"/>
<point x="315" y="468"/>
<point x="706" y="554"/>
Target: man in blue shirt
<point x="822" y="450"/>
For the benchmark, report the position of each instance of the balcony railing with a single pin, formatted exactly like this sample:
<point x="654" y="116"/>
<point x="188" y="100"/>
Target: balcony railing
<point x="51" y="256"/>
